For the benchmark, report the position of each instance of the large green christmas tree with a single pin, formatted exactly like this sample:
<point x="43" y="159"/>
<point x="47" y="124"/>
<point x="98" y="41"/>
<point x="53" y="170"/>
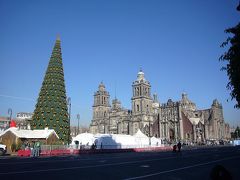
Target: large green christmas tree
<point x="51" y="109"/>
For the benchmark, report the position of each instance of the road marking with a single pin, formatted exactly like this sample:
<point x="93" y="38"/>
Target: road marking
<point x="100" y="165"/>
<point x="102" y="161"/>
<point x="145" y="166"/>
<point x="79" y="158"/>
<point x="84" y="167"/>
<point x="109" y="164"/>
<point x="182" y="168"/>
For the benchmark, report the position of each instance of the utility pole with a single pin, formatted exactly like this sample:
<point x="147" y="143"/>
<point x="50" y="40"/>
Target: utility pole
<point x="78" y="118"/>
<point x="10" y="115"/>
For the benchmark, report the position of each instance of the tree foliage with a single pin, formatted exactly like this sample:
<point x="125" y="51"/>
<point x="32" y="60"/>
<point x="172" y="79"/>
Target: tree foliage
<point x="236" y="133"/>
<point x="232" y="59"/>
<point x="51" y="109"/>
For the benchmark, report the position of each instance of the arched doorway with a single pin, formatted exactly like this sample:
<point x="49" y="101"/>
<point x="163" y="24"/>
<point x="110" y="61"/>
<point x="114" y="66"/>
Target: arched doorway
<point x="171" y="135"/>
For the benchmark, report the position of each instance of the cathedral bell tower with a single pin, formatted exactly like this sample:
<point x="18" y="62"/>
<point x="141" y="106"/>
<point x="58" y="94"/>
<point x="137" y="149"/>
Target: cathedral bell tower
<point x="101" y="109"/>
<point x="142" y="104"/>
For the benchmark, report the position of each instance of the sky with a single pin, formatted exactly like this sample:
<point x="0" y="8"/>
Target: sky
<point x="176" y="43"/>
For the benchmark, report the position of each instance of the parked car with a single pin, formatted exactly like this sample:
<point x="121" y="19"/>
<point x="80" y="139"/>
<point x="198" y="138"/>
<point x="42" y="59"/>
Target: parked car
<point x="3" y="149"/>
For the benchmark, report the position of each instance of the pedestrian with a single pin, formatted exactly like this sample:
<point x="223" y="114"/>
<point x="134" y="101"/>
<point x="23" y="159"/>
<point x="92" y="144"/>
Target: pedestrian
<point x="174" y="148"/>
<point x="94" y="146"/>
<point x="38" y="149"/>
<point x="32" y="149"/>
<point x="179" y="145"/>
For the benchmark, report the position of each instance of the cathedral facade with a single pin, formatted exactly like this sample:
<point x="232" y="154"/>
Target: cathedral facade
<point x="171" y="121"/>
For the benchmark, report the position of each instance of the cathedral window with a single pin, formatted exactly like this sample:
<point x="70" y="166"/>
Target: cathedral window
<point x="137" y="107"/>
<point x="137" y="91"/>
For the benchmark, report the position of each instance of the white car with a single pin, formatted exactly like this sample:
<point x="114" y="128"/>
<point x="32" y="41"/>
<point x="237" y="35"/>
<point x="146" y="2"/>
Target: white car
<point x="3" y="149"/>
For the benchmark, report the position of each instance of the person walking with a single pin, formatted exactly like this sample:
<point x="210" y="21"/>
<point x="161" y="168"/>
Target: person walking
<point x="174" y="148"/>
<point x="179" y="145"/>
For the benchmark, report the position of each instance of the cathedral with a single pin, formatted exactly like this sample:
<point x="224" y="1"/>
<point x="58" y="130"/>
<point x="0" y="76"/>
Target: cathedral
<point x="171" y="121"/>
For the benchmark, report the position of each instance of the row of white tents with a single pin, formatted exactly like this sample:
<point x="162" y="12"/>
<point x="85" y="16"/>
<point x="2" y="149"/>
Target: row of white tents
<point x="115" y="141"/>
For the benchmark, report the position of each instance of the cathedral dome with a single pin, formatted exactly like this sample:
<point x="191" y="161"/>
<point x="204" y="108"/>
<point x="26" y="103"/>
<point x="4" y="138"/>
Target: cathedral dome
<point x="186" y="103"/>
<point x="101" y="87"/>
<point x="216" y="103"/>
<point x="140" y="75"/>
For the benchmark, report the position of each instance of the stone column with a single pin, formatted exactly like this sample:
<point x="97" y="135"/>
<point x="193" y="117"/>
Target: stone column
<point x="167" y="131"/>
<point x="194" y="133"/>
<point x="160" y="128"/>
<point x="176" y="134"/>
<point x="164" y="130"/>
<point x="206" y="131"/>
<point x="180" y="122"/>
<point x="181" y="129"/>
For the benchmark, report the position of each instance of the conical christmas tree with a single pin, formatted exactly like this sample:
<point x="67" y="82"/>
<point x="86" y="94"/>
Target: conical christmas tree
<point x="51" y="109"/>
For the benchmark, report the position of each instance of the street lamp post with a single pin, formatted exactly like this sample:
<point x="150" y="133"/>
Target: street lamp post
<point x="78" y="118"/>
<point x="69" y="116"/>
<point x="10" y="115"/>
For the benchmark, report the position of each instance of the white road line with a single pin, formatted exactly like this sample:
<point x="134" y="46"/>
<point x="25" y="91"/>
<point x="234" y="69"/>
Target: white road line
<point x="145" y="166"/>
<point x="182" y="168"/>
<point x="77" y="158"/>
<point x="83" y="167"/>
<point x="49" y="160"/>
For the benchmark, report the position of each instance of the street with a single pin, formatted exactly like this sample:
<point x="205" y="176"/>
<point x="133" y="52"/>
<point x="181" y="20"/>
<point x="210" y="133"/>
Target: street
<point x="189" y="164"/>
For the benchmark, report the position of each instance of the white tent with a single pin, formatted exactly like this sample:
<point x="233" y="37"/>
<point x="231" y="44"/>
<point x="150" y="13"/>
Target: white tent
<point x="125" y="141"/>
<point x="106" y="141"/>
<point x="155" y="141"/>
<point x="141" y="139"/>
<point x="84" y="139"/>
<point x="115" y="141"/>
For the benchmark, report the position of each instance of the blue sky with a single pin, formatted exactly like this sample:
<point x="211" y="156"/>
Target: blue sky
<point x="176" y="43"/>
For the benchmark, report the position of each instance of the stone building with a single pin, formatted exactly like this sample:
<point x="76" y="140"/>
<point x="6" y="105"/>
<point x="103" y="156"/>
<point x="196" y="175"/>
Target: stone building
<point x="170" y="121"/>
<point x="23" y="120"/>
<point x="181" y="120"/>
<point x="4" y="123"/>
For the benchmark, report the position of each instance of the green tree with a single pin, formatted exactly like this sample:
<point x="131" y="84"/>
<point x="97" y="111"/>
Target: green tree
<point x="232" y="59"/>
<point x="51" y="108"/>
<point x="237" y="133"/>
